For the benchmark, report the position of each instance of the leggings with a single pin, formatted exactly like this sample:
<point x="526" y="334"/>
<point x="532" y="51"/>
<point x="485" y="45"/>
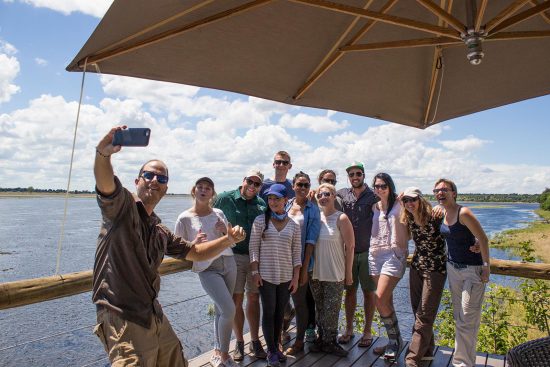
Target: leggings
<point x="274" y="299"/>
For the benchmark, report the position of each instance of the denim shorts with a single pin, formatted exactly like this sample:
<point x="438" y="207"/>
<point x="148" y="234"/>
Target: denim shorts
<point x="391" y="262"/>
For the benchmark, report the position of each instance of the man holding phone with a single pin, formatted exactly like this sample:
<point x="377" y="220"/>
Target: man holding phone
<point x="131" y="245"/>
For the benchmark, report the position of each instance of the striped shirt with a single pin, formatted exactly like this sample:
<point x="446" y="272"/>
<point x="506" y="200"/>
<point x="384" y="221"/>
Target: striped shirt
<point x="277" y="252"/>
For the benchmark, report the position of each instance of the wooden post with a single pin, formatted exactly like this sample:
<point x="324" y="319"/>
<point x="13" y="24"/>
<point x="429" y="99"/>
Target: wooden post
<point x="29" y="291"/>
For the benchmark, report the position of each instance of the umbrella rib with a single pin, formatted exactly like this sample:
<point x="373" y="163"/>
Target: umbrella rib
<point x="480" y="14"/>
<point x="535" y="10"/>
<point x="335" y="54"/>
<point x="504" y="14"/>
<point x="156" y="25"/>
<point x="421" y="42"/>
<point x="504" y="36"/>
<point x="173" y="32"/>
<point x="433" y="81"/>
<point x="443" y="15"/>
<point x="544" y="15"/>
<point x="384" y="18"/>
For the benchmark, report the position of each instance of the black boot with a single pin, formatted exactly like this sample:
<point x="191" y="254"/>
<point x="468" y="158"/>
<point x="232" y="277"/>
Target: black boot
<point x="394" y="335"/>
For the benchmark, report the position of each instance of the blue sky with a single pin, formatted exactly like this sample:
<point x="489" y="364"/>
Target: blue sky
<point x="204" y="132"/>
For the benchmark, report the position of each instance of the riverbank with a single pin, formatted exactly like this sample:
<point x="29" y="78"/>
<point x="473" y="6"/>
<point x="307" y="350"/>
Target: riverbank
<point x="11" y="194"/>
<point x="537" y="232"/>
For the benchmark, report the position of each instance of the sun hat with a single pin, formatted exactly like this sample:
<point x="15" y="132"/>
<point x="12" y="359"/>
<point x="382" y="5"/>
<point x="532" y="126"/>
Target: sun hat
<point x="255" y="173"/>
<point x="412" y="192"/>
<point x="356" y="164"/>
<point x="277" y="190"/>
<point x="205" y="179"/>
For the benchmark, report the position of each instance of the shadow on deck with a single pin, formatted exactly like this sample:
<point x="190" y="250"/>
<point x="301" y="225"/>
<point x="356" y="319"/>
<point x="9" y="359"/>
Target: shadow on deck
<point x="357" y="356"/>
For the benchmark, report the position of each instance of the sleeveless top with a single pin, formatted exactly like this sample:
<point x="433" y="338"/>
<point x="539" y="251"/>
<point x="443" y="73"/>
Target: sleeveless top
<point x="388" y="232"/>
<point x="330" y="256"/>
<point x="459" y="239"/>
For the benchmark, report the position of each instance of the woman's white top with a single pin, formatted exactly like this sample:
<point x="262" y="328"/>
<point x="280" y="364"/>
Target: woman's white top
<point x="188" y="225"/>
<point x="330" y="253"/>
<point x="277" y="252"/>
<point x="388" y="232"/>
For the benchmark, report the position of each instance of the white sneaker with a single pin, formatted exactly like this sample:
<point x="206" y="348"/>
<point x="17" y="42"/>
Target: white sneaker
<point x="216" y="361"/>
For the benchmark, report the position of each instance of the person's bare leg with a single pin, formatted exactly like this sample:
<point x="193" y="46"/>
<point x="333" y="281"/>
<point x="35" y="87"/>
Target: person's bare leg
<point x="369" y="298"/>
<point x="350" y="302"/>
<point x="238" y="322"/>
<point x="253" y="314"/>
<point x="384" y="294"/>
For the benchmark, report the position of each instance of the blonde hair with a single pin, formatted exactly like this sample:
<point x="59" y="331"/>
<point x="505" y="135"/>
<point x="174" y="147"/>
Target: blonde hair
<point x="424" y="213"/>
<point x="329" y="187"/>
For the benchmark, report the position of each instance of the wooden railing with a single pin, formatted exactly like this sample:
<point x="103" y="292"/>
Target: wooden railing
<point x="29" y="291"/>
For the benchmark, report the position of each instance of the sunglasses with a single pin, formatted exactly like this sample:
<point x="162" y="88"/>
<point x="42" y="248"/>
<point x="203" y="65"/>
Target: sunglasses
<point x="251" y="182"/>
<point x="406" y="200"/>
<point x="324" y="194"/>
<point x="443" y="190"/>
<point x="279" y="162"/>
<point x="381" y="187"/>
<point x="149" y="176"/>
<point x="329" y="181"/>
<point x="305" y="185"/>
<point x="357" y="174"/>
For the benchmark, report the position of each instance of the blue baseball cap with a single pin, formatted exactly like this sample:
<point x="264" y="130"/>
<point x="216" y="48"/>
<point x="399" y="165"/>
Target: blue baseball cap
<point x="277" y="190"/>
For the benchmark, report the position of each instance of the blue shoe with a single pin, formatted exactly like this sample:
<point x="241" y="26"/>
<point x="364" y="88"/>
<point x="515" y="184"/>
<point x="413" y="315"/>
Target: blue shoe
<point x="273" y="360"/>
<point x="310" y="335"/>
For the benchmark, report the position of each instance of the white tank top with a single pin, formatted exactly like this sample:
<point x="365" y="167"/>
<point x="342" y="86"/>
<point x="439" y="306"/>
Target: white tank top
<point x="330" y="256"/>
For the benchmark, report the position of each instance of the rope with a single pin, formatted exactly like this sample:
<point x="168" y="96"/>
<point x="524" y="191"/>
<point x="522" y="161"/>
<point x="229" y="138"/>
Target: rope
<point x="59" y="243"/>
<point x="441" y="66"/>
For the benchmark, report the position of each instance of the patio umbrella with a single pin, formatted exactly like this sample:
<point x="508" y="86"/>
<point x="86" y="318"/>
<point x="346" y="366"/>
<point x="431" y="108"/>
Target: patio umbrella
<point x="415" y="63"/>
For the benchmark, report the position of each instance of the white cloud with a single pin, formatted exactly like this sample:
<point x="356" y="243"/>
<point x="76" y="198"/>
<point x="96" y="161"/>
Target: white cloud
<point x="464" y="145"/>
<point x="96" y="8"/>
<point x="9" y="69"/>
<point x="317" y="124"/>
<point x="40" y="62"/>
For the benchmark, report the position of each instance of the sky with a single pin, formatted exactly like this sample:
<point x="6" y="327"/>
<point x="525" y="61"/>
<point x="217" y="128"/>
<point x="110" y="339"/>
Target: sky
<point x="203" y="132"/>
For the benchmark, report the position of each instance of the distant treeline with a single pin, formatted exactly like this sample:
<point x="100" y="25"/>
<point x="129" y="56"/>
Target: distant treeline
<point x="31" y="189"/>
<point x="496" y="198"/>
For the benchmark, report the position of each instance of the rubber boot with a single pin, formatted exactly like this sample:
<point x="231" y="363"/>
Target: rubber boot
<point x="394" y="337"/>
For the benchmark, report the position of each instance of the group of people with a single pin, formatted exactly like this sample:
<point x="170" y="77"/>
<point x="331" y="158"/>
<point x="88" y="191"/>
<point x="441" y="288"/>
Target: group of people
<point x="277" y="239"/>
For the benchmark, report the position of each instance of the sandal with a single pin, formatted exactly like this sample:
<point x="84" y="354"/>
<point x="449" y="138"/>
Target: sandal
<point x="294" y="349"/>
<point x="365" y="342"/>
<point x="345" y="338"/>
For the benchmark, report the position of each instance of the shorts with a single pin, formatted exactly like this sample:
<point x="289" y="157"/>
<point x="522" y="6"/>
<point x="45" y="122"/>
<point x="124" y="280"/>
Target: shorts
<point x="244" y="278"/>
<point x="360" y="272"/>
<point x="388" y="261"/>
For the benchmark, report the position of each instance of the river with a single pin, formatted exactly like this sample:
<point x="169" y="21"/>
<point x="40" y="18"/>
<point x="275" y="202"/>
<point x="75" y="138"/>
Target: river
<point x="59" y="332"/>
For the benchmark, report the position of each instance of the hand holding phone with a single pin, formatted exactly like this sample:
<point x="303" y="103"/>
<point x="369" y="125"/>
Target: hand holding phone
<point x="132" y="137"/>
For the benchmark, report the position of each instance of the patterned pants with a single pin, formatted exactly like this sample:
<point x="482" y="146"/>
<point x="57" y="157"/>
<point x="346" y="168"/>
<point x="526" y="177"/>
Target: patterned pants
<point x="328" y="300"/>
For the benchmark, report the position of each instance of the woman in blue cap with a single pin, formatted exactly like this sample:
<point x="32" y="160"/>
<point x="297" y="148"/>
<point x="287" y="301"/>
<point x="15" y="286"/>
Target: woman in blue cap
<point x="275" y="262"/>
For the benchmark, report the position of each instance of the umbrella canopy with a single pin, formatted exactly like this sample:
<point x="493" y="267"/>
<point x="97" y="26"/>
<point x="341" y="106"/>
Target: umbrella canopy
<point x="415" y="63"/>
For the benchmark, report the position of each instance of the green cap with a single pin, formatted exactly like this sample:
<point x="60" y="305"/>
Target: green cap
<point x="356" y="164"/>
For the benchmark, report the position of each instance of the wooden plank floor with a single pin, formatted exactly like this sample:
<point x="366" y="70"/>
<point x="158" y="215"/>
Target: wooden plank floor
<point x="357" y="356"/>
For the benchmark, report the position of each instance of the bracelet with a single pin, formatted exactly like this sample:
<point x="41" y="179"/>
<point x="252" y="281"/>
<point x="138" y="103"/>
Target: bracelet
<point x="101" y="154"/>
<point x="485" y="264"/>
<point x="254" y="272"/>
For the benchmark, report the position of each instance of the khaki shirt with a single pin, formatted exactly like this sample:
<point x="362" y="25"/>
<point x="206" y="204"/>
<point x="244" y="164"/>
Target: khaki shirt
<point x="130" y="248"/>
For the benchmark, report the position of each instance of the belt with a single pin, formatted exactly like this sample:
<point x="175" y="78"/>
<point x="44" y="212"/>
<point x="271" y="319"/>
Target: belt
<point x="457" y="265"/>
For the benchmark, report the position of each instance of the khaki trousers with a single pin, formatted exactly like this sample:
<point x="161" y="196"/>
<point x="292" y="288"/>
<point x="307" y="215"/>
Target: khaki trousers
<point x="129" y="344"/>
<point x="467" y="292"/>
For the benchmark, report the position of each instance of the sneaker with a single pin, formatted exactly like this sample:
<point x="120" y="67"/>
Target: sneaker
<point x="216" y="361"/>
<point x="273" y="360"/>
<point x="238" y="353"/>
<point x="392" y="349"/>
<point x="335" y="349"/>
<point x="310" y="335"/>
<point x="257" y="350"/>
<point x="281" y="356"/>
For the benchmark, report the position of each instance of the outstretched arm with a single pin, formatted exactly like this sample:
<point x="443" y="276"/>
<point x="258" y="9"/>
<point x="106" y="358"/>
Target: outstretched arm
<point x="207" y="250"/>
<point x="103" y="170"/>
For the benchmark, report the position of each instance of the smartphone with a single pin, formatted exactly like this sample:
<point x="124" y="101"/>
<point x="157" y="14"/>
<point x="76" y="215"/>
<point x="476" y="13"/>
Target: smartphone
<point x="132" y="137"/>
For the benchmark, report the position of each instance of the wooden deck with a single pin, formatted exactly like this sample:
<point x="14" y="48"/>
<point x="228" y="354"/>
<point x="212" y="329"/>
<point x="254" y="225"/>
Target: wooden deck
<point x="358" y="356"/>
